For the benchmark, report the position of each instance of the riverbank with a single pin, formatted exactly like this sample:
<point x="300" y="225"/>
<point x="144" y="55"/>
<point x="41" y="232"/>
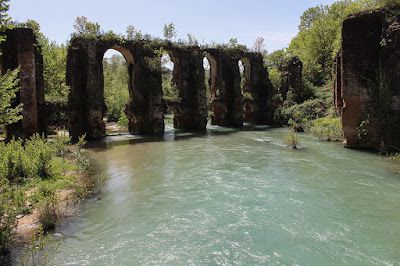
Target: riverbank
<point x="42" y="180"/>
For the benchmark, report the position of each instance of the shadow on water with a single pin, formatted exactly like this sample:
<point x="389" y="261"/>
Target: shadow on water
<point x="170" y="134"/>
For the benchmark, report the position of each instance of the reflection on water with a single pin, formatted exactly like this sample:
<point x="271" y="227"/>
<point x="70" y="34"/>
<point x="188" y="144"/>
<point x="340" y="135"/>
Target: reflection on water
<point x="235" y="196"/>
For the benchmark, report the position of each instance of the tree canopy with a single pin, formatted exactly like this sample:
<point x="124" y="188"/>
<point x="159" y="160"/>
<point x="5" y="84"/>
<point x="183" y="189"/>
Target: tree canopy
<point x="9" y="80"/>
<point x="84" y="27"/>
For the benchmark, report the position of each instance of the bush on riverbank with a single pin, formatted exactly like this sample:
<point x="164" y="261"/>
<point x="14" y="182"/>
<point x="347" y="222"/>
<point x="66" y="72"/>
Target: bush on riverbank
<point x="33" y="172"/>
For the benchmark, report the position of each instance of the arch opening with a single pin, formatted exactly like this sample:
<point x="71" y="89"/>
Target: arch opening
<point x="212" y="88"/>
<point x="169" y="88"/>
<point x="245" y="72"/>
<point x="117" y="73"/>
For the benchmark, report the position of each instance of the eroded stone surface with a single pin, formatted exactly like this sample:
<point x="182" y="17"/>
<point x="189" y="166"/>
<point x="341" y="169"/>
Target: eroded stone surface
<point x="145" y="110"/>
<point x="367" y="79"/>
<point x="21" y="49"/>
<point x="291" y="70"/>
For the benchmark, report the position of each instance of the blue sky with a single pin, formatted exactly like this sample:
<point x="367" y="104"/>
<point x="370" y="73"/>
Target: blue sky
<point x="207" y="20"/>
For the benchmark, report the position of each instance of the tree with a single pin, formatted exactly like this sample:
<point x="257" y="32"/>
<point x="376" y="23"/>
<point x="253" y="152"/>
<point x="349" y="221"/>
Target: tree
<point x="54" y="69"/>
<point x="275" y="59"/>
<point x="3" y="14"/>
<point x="258" y="45"/>
<point x="192" y="40"/>
<point x="8" y="89"/>
<point x="8" y="81"/>
<point x="84" y="27"/>
<point x="169" y="31"/>
<point x="132" y="33"/>
<point x="388" y="2"/>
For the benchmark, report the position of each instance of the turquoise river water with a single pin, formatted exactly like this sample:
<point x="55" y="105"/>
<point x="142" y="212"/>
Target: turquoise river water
<point x="231" y="197"/>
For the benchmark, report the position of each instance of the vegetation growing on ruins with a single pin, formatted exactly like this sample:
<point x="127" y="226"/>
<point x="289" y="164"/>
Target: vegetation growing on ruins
<point x="316" y="44"/>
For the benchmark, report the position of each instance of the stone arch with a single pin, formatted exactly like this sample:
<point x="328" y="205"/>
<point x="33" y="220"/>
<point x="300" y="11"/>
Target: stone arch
<point x="246" y="74"/>
<point x="214" y="88"/>
<point x="85" y="78"/>
<point x="128" y="57"/>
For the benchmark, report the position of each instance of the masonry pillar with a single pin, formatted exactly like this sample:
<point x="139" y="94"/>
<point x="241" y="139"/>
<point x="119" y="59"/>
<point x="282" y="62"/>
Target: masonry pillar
<point x="258" y="108"/>
<point x="19" y="50"/>
<point x="191" y="111"/>
<point x="145" y="110"/>
<point x="227" y="104"/>
<point x="86" y="98"/>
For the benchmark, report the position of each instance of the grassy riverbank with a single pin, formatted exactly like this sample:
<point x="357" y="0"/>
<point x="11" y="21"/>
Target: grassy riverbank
<point x="40" y="182"/>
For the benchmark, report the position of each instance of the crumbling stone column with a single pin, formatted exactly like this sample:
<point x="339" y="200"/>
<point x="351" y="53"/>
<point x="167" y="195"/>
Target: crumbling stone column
<point x="369" y="70"/>
<point x="361" y="36"/>
<point x="19" y="51"/>
<point x="337" y="83"/>
<point x="191" y="112"/>
<point x="86" y="98"/>
<point x="145" y="110"/>
<point x="291" y="70"/>
<point x="226" y="99"/>
<point x="258" y="108"/>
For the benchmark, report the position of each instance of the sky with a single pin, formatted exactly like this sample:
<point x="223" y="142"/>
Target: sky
<point x="208" y="20"/>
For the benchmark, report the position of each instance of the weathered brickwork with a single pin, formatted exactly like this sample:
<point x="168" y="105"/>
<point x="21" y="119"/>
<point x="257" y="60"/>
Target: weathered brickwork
<point x="21" y="50"/>
<point x="366" y="85"/>
<point x="145" y="110"/>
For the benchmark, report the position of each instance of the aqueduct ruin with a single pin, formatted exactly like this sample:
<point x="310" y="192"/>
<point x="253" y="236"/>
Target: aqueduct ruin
<point x="145" y="109"/>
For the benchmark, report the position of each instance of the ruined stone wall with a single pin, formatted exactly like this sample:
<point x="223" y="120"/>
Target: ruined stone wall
<point x="86" y="80"/>
<point x="368" y="68"/>
<point x="257" y="110"/>
<point x="291" y="70"/>
<point x="146" y="109"/>
<point x="20" y="50"/>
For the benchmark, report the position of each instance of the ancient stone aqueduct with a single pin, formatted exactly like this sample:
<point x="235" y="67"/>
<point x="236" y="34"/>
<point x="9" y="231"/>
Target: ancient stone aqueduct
<point x="146" y="108"/>
<point x="370" y="43"/>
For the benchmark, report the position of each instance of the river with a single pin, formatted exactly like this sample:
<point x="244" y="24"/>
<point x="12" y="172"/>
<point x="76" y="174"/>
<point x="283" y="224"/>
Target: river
<point x="230" y="197"/>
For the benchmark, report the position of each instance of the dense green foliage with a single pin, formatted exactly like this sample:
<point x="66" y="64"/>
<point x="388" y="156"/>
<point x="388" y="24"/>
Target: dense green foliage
<point x="316" y="43"/>
<point x="41" y="166"/>
<point x="116" y="93"/>
<point x="319" y="36"/>
<point x="8" y="81"/>
<point x="8" y="89"/>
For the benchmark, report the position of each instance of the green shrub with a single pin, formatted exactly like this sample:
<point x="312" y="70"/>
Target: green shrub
<point x="48" y="213"/>
<point x="44" y="192"/>
<point x="292" y="139"/>
<point x="7" y="215"/>
<point x="123" y="120"/>
<point x="39" y="250"/>
<point x="327" y="128"/>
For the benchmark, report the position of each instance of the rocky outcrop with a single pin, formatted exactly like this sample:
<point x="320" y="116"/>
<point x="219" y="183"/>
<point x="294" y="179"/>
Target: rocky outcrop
<point x="21" y="50"/>
<point x="367" y="79"/>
